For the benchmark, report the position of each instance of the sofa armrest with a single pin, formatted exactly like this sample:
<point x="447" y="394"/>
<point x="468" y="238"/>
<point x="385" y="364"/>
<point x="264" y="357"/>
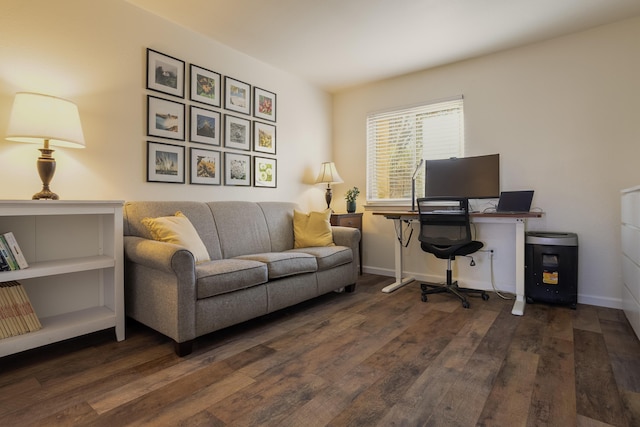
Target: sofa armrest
<point x="165" y="257"/>
<point x="346" y="236"/>
<point x="160" y="287"/>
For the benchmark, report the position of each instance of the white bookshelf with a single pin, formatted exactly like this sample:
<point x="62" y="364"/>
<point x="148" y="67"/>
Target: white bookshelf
<point x="75" y="279"/>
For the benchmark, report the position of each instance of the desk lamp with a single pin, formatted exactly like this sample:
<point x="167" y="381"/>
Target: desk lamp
<point x="328" y="174"/>
<point x="37" y="118"/>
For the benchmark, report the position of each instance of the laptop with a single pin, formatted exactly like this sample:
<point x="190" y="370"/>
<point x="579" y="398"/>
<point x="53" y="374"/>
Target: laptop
<point x="515" y="201"/>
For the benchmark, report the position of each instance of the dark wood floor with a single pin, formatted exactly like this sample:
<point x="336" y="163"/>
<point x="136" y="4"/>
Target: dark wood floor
<point x="360" y="359"/>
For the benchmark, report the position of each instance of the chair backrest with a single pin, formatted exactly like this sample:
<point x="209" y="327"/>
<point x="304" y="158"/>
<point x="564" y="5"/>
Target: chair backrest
<point x="444" y="221"/>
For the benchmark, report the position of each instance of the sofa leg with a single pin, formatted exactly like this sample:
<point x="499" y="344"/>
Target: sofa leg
<point x="350" y="288"/>
<point x="183" y="348"/>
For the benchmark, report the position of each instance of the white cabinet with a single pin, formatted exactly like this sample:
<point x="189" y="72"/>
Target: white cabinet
<point x="75" y="278"/>
<point x="630" y="210"/>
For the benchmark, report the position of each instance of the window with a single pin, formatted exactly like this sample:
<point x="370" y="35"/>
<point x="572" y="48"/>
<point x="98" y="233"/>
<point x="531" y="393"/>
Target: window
<point x="398" y="139"/>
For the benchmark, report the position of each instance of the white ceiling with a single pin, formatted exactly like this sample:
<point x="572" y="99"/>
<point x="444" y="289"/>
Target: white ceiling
<point x="340" y="43"/>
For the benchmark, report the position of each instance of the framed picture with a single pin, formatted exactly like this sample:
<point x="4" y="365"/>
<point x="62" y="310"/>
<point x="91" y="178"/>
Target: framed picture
<point x="205" y="126"/>
<point x="237" y="169"/>
<point x="165" y="74"/>
<point x="237" y="133"/>
<point x="165" y="162"/>
<point x="264" y="138"/>
<point x="264" y="172"/>
<point x="264" y="104"/>
<point x="205" y="86"/>
<point x="237" y="95"/>
<point x="205" y="167"/>
<point x="165" y="118"/>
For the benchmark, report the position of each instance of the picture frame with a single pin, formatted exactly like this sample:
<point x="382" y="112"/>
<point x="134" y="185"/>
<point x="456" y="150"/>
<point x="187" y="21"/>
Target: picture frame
<point x="204" y="126"/>
<point x="237" y="169"/>
<point x="237" y="95"/>
<point x="205" y="86"/>
<point x="264" y="104"/>
<point x="165" y="119"/>
<point x="205" y="166"/>
<point x="237" y="133"/>
<point x="165" y="163"/>
<point x="165" y="73"/>
<point x="264" y="138"/>
<point x="264" y="172"/>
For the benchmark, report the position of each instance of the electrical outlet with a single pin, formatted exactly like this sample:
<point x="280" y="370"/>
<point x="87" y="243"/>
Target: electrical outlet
<point x="491" y="252"/>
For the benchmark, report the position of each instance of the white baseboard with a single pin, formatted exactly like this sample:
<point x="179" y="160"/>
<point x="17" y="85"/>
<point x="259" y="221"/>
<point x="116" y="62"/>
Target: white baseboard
<point x="477" y="284"/>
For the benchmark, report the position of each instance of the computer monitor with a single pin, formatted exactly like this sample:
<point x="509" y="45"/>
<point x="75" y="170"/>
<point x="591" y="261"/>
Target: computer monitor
<point x="471" y="177"/>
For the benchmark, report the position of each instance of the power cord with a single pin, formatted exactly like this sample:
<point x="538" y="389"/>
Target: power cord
<point x="493" y="283"/>
<point x="399" y="233"/>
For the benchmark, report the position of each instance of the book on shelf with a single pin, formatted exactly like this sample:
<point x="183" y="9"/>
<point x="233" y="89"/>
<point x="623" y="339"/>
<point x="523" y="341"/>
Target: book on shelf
<point x="17" y="316"/>
<point x="8" y="255"/>
<point x="4" y="265"/>
<point x="14" y="247"/>
<point x="11" y="256"/>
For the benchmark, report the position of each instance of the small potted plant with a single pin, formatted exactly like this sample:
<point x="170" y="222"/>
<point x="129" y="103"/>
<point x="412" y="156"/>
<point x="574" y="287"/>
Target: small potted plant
<point x="350" y="196"/>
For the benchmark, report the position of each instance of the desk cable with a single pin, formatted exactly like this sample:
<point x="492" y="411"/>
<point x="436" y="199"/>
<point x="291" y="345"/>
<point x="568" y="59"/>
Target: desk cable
<point x="399" y="233"/>
<point x="493" y="282"/>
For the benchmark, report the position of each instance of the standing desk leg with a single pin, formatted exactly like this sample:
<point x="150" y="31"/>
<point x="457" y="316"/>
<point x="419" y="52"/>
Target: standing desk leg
<point x="400" y="282"/>
<point x="518" y="306"/>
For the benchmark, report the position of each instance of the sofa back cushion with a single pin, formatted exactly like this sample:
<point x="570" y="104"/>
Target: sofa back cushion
<point x="279" y="217"/>
<point x="198" y="213"/>
<point x="242" y="228"/>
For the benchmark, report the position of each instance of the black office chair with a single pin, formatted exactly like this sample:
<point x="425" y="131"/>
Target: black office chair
<point x="446" y="233"/>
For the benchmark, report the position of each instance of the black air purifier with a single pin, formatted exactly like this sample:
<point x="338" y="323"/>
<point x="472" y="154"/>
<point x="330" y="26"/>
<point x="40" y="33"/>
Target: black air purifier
<point x="551" y="268"/>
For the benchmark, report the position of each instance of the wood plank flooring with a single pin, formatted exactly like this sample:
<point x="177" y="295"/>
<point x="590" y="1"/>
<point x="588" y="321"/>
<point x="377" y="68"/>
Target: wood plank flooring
<point x="361" y="359"/>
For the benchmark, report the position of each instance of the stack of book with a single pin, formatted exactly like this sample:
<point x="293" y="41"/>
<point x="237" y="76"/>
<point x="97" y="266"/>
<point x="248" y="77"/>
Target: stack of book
<point x="11" y="257"/>
<point x="16" y="313"/>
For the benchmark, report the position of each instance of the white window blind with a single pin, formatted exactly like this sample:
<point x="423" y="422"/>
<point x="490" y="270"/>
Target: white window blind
<point x="398" y="139"/>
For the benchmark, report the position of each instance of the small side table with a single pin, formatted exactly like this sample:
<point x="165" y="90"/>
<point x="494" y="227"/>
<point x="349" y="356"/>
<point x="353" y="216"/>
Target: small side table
<point x="353" y="220"/>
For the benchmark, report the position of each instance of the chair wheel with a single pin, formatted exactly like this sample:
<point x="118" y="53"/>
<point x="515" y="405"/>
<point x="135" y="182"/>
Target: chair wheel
<point x="465" y="304"/>
<point x="423" y="286"/>
<point x="485" y="297"/>
<point x="423" y="298"/>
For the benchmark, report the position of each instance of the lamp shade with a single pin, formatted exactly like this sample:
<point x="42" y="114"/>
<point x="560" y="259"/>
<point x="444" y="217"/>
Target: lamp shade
<point x="36" y="118"/>
<point x="328" y="174"/>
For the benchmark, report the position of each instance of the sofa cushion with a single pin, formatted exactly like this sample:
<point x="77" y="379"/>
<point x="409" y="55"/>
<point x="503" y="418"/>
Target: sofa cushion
<point x="312" y="229"/>
<point x="242" y="228"/>
<point x="282" y="264"/>
<point x="198" y="213"/>
<point x="328" y="256"/>
<point x="279" y="217"/>
<point x="178" y="230"/>
<point x="227" y="275"/>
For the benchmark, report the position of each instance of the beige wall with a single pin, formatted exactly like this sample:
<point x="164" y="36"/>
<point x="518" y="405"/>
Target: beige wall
<point x="94" y="53"/>
<point x="564" y="116"/>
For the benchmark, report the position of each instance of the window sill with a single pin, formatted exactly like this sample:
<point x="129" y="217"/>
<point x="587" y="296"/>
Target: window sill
<point x="387" y="206"/>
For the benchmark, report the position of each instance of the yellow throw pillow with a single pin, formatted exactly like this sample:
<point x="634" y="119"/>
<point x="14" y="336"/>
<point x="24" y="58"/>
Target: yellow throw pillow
<point x="312" y="229"/>
<point x="178" y="230"/>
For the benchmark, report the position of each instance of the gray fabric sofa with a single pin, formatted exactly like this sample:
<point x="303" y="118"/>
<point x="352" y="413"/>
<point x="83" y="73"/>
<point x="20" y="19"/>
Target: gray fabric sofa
<point x="254" y="268"/>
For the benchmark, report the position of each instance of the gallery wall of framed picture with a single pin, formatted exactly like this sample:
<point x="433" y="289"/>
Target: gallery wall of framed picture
<point x="222" y="133"/>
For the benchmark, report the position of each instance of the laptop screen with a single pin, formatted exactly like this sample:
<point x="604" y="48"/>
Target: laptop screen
<point x="515" y="201"/>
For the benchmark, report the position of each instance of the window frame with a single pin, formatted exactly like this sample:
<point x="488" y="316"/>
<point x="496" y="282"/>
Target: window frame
<point x="406" y="126"/>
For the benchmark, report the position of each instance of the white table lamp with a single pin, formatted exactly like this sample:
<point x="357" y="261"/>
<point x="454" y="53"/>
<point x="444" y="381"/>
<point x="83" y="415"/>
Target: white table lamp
<point x="329" y="175"/>
<point x="37" y="118"/>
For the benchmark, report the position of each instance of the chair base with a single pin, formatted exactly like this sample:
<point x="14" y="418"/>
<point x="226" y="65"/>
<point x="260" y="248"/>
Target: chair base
<point x="452" y="288"/>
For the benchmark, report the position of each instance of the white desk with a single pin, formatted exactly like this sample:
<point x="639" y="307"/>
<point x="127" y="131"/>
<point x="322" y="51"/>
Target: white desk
<point x="517" y="220"/>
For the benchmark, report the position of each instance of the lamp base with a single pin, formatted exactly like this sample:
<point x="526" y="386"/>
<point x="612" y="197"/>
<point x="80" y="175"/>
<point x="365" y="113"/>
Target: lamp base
<point x="45" y="194"/>
<point x="328" y="196"/>
<point x="46" y="168"/>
